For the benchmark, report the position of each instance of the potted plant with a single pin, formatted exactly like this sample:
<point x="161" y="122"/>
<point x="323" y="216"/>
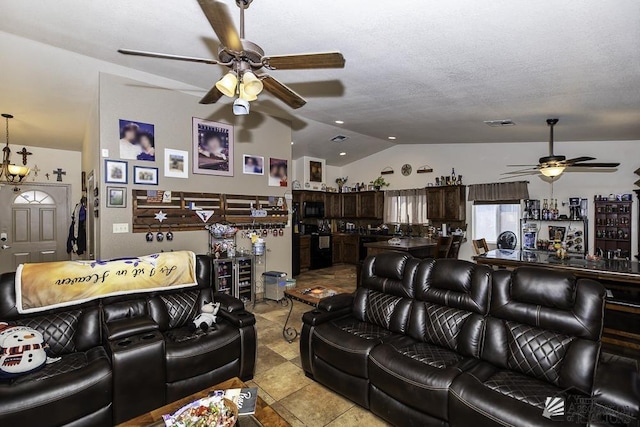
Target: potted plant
<point x="341" y="182"/>
<point x="379" y="182"/>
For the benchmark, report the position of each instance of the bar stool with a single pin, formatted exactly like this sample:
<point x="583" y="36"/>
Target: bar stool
<point x="480" y="246"/>
<point x="443" y="247"/>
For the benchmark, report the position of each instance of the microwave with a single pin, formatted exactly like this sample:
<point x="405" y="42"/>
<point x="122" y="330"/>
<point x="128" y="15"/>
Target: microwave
<point x="313" y="209"/>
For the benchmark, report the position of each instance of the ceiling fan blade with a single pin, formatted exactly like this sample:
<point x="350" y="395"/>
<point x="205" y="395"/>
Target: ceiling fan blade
<point x="521" y="166"/>
<point x="167" y="56"/>
<point x="595" y="165"/>
<point x="282" y="92"/>
<point x="579" y="159"/>
<point x="218" y="15"/>
<point x="212" y="96"/>
<point x="530" y="170"/>
<point x="517" y="176"/>
<point x="304" y="61"/>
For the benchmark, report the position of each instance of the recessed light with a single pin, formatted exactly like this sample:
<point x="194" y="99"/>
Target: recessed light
<point x="339" y="122"/>
<point x="392" y="138"/>
<point x="343" y="154"/>
<point x="291" y="142"/>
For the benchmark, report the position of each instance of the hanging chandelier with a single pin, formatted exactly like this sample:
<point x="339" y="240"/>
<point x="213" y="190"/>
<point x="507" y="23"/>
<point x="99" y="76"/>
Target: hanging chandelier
<point x="10" y="172"/>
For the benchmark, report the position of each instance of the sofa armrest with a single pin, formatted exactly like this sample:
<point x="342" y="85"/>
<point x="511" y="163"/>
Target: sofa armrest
<point x="238" y="318"/>
<point x="228" y="303"/>
<point x="318" y="316"/>
<point x="616" y="392"/>
<point x="129" y="327"/>
<point x="336" y="302"/>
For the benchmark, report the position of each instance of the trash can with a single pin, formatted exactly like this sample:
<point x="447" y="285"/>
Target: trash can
<point x="275" y="283"/>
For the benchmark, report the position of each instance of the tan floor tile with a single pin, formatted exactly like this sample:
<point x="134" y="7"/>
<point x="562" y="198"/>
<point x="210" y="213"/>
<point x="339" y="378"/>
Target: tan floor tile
<point x="304" y="404"/>
<point x="263" y="394"/>
<point x="297" y="361"/>
<point x="282" y="380"/>
<point x="285" y="349"/>
<point x="356" y="417"/>
<point x="287" y="415"/>
<point x="267" y="359"/>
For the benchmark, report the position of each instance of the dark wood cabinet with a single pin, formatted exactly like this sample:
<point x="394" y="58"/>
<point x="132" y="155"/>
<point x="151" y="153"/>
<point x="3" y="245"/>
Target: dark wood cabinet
<point x="371" y="205"/>
<point x="345" y="249"/>
<point x="333" y="205"/>
<point x="447" y="203"/>
<point x="613" y="228"/>
<point x="349" y="205"/>
<point x="305" y="252"/>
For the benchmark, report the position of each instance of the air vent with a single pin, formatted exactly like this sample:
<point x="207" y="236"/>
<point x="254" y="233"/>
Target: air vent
<point x="339" y="138"/>
<point x="499" y="123"/>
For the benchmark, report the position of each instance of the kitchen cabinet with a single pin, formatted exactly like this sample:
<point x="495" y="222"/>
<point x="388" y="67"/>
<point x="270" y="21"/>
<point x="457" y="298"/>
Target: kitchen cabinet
<point x="345" y="248"/>
<point x="305" y="252"/>
<point x="447" y="203"/>
<point x="333" y="205"/>
<point x="349" y="205"/>
<point x="371" y="205"/>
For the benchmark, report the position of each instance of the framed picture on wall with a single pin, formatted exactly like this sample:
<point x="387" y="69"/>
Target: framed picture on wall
<point x="278" y="172"/>
<point x="137" y="141"/>
<point x="143" y="175"/>
<point x="315" y="171"/>
<point x="115" y="172"/>
<point x="176" y="163"/>
<point x="212" y="148"/>
<point x="116" y="197"/>
<point x="252" y="165"/>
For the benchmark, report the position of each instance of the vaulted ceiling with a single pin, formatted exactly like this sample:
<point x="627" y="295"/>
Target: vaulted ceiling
<point x="424" y="72"/>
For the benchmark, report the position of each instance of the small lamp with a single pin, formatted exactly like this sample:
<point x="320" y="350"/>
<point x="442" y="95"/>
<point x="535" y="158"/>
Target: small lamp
<point x="240" y="107"/>
<point x="227" y="84"/>
<point x="252" y="85"/>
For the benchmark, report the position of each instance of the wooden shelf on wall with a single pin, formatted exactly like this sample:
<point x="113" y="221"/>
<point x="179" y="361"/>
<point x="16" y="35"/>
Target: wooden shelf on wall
<point x="232" y="209"/>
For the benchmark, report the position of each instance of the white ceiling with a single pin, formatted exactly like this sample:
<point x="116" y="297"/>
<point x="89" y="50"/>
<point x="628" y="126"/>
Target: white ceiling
<point x="424" y="71"/>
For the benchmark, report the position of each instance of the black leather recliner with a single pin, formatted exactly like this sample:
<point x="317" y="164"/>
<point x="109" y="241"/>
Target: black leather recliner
<point x="478" y="347"/>
<point x="126" y="355"/>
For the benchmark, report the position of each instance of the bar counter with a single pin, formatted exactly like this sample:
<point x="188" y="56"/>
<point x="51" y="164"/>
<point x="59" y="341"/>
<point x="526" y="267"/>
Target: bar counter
<point x="419" y="247"/>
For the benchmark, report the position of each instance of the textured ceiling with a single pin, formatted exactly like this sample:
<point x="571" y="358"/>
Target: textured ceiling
<point x="425" y="72"/>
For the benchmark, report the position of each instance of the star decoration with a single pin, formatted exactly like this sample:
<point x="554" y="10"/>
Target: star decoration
<point x="160" y="216"/>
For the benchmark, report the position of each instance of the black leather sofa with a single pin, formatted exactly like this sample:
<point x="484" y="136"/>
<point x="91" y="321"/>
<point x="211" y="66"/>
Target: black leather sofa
<point x="124" y="356"/>
<point x="448" y="342"/>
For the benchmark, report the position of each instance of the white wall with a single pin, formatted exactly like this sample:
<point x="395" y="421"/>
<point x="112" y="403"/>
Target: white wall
<point x="171" y="113"/>
<point x="483" y="163"/>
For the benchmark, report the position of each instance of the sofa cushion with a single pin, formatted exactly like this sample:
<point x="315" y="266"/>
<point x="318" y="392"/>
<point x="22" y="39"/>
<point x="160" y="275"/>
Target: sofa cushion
<point x="416" y="373"/>
<point x="345" y="343"/>
<point x="77" y="385"/>
<point x="181" y="307"/>
<point x="192" y="353"/>
<point x="502" y="397"/>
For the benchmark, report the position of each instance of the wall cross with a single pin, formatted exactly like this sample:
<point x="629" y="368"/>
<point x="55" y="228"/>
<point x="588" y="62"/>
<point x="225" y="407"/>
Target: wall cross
<point x="24" y="153"/>
<point x="59" y="172"/>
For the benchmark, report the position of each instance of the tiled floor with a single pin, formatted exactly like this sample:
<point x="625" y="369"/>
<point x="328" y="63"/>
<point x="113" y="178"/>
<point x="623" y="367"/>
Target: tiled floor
<point x="280" y="379"/>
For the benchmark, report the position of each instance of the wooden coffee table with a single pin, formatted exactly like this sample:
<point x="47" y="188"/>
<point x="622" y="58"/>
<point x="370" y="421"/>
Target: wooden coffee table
<point x="264" y="416"/>
<point x="310" y="296"/>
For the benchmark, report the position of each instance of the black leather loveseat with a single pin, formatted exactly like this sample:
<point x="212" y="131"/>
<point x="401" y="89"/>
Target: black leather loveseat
<point x="448" y="342"/>
<point x="124" y="356"/>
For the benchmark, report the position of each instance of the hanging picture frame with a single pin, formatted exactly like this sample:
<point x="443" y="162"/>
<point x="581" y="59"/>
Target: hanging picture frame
<point x="143" y="175"/>
<point x="252" y="165"/>
<point x="116" y="197"/>
<point x="115" y="172"/>
<point x="212" y="147"/>
<point x="176" y="163"/>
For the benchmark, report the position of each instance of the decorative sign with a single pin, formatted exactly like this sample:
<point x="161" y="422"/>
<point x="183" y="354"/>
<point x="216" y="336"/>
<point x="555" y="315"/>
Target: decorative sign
<point x="155" y="196"/>
<point x="160" y="216"/>
<point x="204" y="215"/>
<point x="258" y="213"/>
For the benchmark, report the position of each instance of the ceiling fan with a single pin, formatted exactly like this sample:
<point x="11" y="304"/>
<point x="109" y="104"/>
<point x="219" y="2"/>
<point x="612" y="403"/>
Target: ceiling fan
<point x="245" y="58"/>
<point x="554" y="165"/>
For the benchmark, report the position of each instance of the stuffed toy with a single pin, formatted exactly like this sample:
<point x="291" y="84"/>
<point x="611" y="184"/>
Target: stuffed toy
<point x="22" y="350"/>
<point x="207" y="316"/>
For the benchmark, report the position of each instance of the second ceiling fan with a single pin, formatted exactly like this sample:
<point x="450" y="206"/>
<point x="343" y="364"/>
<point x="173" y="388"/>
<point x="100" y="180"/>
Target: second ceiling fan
<point x="554" y="165"/>
<point x="245" y="58"/>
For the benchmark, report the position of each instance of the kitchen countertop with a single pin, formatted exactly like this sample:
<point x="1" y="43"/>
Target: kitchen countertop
<point x="407" y="243"/>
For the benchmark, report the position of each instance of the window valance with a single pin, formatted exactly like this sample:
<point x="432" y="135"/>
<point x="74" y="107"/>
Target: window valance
<point x="498" y="191"/>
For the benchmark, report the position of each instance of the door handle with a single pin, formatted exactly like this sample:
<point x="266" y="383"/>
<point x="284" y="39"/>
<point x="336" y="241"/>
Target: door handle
<point x="5" y="247"/>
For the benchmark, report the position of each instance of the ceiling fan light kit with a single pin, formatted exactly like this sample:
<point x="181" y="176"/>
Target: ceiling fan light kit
<point x="241" y="107"/>
<point x="552" y="171"/>
<point x="245" y="59"/>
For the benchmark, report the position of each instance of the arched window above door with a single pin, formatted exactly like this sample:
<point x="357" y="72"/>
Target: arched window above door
<point x="34" y="197"/>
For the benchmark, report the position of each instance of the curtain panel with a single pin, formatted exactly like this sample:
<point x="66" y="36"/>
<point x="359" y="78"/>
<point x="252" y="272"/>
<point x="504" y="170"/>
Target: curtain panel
<point x="405" y="206"/>
<point x="498" y="192"/>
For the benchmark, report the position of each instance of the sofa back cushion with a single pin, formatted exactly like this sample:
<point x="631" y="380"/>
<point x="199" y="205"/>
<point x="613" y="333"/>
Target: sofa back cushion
<point x="65" y="330"/>
<point x="546" y="324"/>
<point x="387" y="290"/>
<point x="451" y="302"/>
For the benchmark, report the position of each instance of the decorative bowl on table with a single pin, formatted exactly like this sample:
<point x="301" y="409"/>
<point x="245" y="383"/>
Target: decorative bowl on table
<point x="212" y="411"/>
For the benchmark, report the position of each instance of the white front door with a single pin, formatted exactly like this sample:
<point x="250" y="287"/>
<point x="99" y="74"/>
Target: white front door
<point x="34" y="223"/>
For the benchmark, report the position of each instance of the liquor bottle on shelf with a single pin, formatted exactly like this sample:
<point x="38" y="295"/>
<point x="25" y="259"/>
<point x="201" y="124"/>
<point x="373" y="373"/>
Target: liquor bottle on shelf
<point x="555" y="209"/>
<point x="454" y="177"/>
<point x="545" y="210"/>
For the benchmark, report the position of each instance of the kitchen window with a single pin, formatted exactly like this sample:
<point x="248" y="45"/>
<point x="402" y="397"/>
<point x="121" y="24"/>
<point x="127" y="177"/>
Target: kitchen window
<point x="489" y="220"/>
<point x="405" y="206"/>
